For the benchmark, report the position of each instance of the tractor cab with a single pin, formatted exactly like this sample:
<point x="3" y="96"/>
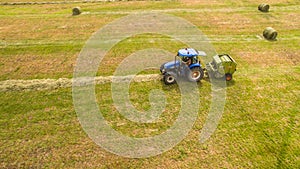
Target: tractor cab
<point x="189" y="56"/>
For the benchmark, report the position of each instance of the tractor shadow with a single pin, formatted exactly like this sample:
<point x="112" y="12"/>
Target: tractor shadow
<point x="219" y="82"/>
<point x="230" y="83"/>
<point x="175" y="86"/>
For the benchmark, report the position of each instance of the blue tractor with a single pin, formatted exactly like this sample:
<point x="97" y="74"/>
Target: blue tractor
<point x="186" y="65"/>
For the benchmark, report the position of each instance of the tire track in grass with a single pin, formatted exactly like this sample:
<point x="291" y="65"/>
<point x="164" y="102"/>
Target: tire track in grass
<point x="280" y="148"/>
<point x="282" y="161"/>
<point x="52" y="84"/>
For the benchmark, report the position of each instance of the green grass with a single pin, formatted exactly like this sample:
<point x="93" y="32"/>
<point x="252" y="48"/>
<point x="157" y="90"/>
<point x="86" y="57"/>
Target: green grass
<point x="257" y="129"/>
<point x="260" y="125"/>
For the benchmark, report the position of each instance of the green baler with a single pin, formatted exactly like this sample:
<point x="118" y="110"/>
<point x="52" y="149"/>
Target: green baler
<point x="223" y="65"/>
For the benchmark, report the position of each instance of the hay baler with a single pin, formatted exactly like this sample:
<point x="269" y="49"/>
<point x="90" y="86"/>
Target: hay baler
<point x="222" y="65"/>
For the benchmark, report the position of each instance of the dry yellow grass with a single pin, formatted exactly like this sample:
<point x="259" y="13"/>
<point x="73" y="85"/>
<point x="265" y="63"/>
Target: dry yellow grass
<point x="44" y="26"/>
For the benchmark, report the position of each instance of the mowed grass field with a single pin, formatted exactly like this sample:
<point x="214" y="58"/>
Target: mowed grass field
<point x="260" y="127"/>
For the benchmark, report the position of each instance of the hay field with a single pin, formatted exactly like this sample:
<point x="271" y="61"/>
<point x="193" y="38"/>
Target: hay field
<point x="260" y="126"/>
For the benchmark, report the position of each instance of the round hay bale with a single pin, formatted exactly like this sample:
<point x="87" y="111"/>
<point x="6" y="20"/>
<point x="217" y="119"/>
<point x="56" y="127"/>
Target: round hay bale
<point x="76" y="11"/>
<point x="264" y="7"/>
<point x="270" y="33"/>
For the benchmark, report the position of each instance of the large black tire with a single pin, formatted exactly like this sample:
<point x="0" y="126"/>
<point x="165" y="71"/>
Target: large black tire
<point x="228" y="77"/>
<point x="169" y="79"/>
<point x="196" y="74"/>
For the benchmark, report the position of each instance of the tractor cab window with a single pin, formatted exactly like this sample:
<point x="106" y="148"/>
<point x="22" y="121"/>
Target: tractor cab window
<point x="187" y="60"/>
<point x="195" y="60"/>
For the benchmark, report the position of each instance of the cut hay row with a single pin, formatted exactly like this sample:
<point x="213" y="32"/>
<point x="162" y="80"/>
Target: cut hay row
<point x="58" y="2"/>
<point x="55" y="2"/>
<point x="51" y="84"/>
<point x="120" y="12"/>
<point x="211" y="38"/>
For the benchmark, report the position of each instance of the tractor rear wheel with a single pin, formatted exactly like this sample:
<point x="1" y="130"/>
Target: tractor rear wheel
<point x="169" y="79"/>
<point x="228" y="76"/>
<point x="196" y="74"/>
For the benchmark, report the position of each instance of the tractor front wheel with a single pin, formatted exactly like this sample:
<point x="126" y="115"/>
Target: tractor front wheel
<point x="228" y="77"/>
<point x="169" y="79"/>
<point x="196" y="74"/>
